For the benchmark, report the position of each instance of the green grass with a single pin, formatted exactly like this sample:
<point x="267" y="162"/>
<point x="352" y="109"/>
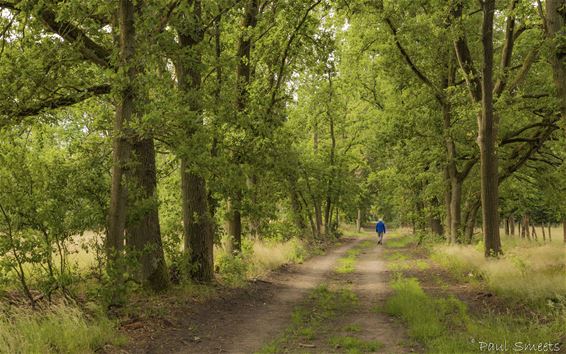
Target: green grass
<point x="62" y="329"/>
<point x="395" y="240"/>
<point x="307" y="319"/>
<point x="347" y="264"/>
<point x="444" y="325"/>
<point x="354" y="345"/>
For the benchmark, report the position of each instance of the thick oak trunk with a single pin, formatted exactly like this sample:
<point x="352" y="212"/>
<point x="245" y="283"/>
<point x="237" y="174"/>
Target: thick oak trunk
<point x="198" y="224"/>
<point x="143" y="233"/>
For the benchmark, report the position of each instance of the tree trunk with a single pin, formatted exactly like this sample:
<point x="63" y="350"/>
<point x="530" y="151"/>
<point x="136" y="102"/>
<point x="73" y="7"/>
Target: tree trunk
<point x="234" y="223"/>
<point x="520" y="230"/>
<point x="507" y="227"/>
<point x="534" y="232"/>
<point x="447" y="203"/>
<point x="564" y="229"/>
<point x="121" y="145"/>
<point x="198" y="224"/>
<point x="512" y="225"/>
<point x="471" y="221"/>
<point x="525" y="229"/>
<point x="318" y="217"/>
<point x="455" y="208"/>
<point x="543" y="232"/>
<point x="243" y="77"/>
<point x="296" y="207"/>
<point x="254" y="220"/>
<point x="143" y="231"/>
<point x="487" y="136"/>
<point x="359" y="220"/>
<point x="549" y="233"/>
<point x="555" y="18"/>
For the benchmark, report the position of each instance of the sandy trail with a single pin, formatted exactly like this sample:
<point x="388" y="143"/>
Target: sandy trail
<point x="245" y="322"/>
<point x="370" y="283"/>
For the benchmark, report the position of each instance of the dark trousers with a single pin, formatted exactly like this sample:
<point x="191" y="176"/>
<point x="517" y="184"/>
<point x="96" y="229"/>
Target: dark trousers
<point x="380" y="237"/>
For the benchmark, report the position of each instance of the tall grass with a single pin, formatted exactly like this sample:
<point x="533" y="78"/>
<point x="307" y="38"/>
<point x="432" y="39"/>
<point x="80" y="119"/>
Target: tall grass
<point x="527" y="271"/>
<point x="62" y="329"/>
<point x="257" y="258"/>
<point x="444" y="325"/>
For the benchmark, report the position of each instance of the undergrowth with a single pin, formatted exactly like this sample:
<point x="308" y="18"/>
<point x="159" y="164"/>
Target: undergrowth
<point x="61" y="329"/>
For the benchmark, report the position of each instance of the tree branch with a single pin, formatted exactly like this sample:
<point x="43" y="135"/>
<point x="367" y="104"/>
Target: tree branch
<point x="437" y="92"/>
<point x="507" y="50"/>
<point x="59" y="102"/>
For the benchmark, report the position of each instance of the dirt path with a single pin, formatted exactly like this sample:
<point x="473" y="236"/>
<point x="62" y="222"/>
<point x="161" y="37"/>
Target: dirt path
<point x="245" y="320"/>
<point x="248" y="319"/>
<point x="369" y="282"/>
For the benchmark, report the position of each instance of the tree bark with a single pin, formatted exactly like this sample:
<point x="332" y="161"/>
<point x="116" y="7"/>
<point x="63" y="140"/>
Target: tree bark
<point x="507" y="227"/>
<point x="359" y="220"/>
<point x="243" y="77"/>
<point x="471" y="221"/>
<point x="549" y="233"/>
<point x="447" y="203"/>
<point x="121" y="145"/>
<point x="296" y="206"/>
<point x="143" y="234"/>
<point x="254" y="221"/>
<point x="198" y="224"/>
<point x="512" y="225"/>
<point x="455" y="208"/>
<point x="543" y="232"/>
<point x="555" y="19"/>
<point x="435" y="221"/>
<point x="487" y="135"/>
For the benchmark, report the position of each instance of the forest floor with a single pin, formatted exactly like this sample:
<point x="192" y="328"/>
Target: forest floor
<point x="330" y="303"/>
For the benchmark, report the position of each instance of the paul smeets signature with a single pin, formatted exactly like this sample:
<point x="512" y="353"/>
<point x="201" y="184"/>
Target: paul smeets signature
<point x="517" y="346"/>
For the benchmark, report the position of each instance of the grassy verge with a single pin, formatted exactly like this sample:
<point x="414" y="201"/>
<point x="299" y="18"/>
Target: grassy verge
<point x="62" y="329"/>
<point x="526" y="310"/>
<point x="444" y="325"/>
<point x="257" y="258"/>
<point x="528" y="272"/>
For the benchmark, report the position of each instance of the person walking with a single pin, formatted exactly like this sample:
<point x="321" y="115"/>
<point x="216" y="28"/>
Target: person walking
<point x="380" y="229"/>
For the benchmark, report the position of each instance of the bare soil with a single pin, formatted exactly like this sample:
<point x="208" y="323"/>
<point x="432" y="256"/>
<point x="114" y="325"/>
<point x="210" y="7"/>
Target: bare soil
<point x="245" y="320"/>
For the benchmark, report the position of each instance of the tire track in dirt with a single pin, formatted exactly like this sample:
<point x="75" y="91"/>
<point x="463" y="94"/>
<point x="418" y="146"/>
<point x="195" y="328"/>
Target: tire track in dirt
<point x="370" y="283"/>
<point x="253" y="317"/>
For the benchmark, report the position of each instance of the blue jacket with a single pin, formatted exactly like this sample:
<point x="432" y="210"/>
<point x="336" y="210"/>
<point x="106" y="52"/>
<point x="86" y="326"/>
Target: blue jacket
<point x="380" y="226"/>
